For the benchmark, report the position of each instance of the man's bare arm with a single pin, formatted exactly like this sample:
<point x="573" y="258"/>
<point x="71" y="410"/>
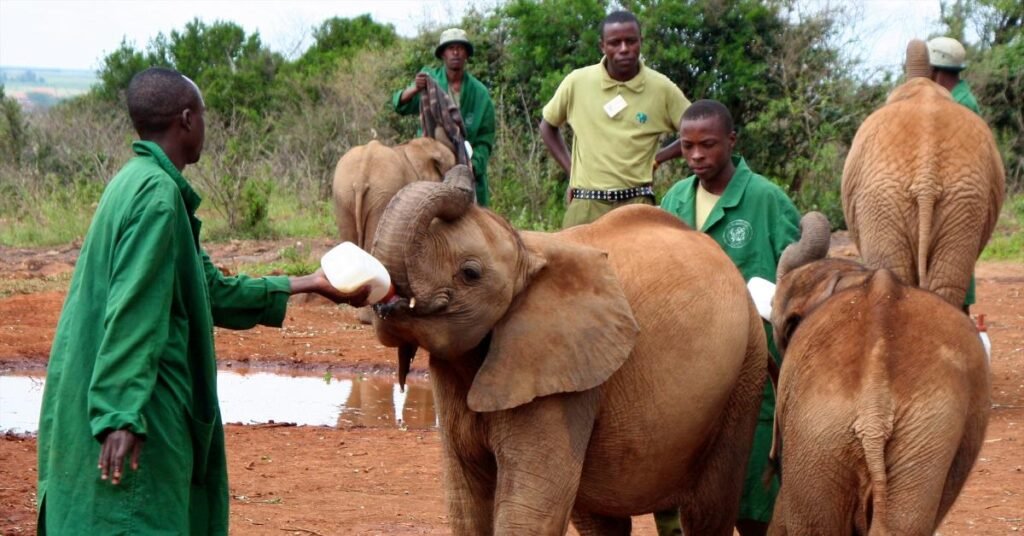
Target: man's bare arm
<point x="556" y="145"/>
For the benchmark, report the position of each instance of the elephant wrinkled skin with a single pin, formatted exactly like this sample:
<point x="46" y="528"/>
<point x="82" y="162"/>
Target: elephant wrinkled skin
<point x="883" y="402"/>
<point x="600" y="372"/>
<point x="922" y="188"/>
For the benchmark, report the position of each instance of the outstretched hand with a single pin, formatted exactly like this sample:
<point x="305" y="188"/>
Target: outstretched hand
<point x="116" y="446"/>
<point x="317" y="282"/>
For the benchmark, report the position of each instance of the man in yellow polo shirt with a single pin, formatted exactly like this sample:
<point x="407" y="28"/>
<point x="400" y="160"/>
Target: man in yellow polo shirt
<point x="618" y="109"/>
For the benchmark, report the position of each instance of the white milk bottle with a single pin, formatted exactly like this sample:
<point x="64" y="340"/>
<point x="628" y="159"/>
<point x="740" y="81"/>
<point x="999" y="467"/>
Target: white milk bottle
<point x="763" y="291"/>
<point x="348" y="268"/>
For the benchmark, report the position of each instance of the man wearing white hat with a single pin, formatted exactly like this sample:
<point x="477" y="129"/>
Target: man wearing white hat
<point x="947" y="58"/>
<point x="468" y="93"/>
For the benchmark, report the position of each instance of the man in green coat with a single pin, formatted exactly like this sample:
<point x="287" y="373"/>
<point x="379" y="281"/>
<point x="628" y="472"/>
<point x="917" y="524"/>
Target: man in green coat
<point x="132" y="372"/>
<point x="753" y="220"/>
<point x="467" y="92"/>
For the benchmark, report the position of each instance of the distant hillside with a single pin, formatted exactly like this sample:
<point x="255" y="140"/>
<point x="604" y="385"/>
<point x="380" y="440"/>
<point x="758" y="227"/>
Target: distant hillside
<point x="40" y="88"/>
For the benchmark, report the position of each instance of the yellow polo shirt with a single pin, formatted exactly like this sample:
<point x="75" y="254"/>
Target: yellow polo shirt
<point x="616" y="125"/>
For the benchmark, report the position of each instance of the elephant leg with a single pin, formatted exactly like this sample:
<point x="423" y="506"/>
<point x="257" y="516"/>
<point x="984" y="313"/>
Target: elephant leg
<point x="539" y="448"/>
<point x="951" y="266"/>
<point x="594" y="525"/>
<point x="365" y="315"/>
<point x="963" y="461"/>
<point x="815" y="497"/>
<point x="917" y="477"/>
<point x="469" y="487"/>
<point x="712" y="500"/>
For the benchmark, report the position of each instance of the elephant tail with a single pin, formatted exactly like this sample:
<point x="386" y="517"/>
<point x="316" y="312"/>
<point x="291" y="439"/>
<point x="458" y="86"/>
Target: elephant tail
<point x="873" y="427"/>
<point x="925" y="212"/>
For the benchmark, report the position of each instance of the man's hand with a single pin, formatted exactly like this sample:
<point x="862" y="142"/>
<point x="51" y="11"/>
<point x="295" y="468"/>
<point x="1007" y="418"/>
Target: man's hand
<point x="116" y="447"/>
<point x="420" y="82"/>
<point x="568" y="194"/>
<point x="317" y="282"/>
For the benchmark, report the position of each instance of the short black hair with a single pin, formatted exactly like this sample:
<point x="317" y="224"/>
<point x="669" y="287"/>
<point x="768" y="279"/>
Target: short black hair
<point x="709" y="108"/>
<point x="156" y="96"/>
<point x="616" y="17"/>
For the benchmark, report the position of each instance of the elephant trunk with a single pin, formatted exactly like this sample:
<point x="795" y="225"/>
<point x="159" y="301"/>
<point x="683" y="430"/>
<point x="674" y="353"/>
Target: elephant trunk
<point x="917" y="64"/>
<point x="813" y="244"/>
<point x="407" y="217"/>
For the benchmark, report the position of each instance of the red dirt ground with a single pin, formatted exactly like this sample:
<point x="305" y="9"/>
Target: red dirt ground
<point x="321" y="480"/>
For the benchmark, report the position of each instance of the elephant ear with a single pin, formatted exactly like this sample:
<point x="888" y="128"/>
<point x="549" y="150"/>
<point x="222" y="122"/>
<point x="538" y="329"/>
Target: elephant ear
<point x="568" y="330"/>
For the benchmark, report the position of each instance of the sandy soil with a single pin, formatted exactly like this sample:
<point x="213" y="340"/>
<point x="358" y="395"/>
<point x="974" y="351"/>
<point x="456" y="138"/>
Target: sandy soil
<point x="355" y="480"/>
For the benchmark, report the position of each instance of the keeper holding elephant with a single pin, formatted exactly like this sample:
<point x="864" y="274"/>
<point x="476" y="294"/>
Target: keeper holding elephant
<point x="467" y="92"/>
<point x="618" y="109"/>
<point x="753" y="220"/>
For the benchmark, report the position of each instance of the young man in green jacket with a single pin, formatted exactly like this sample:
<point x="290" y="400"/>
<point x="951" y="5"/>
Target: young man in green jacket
<point x="132" y="372"/>
<point x="467" y="92"/>
<point x="753" y="220"/>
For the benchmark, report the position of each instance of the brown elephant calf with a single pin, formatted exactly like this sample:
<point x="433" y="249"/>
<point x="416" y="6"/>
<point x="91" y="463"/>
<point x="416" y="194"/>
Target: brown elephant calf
<point x="883" y="401"/>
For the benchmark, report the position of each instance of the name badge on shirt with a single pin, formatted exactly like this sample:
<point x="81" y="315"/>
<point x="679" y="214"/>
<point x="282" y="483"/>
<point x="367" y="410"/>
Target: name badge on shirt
<point x="614" y="106"/>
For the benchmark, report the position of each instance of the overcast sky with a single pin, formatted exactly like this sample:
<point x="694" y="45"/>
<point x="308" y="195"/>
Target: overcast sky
<point x="77" y="34"/>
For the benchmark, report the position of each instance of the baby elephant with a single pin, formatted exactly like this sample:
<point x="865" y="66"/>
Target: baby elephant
<point x="883" y="401"/>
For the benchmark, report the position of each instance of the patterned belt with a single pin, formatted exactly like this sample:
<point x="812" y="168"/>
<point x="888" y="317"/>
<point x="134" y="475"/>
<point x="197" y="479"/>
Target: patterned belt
<point x="614" y="195"/>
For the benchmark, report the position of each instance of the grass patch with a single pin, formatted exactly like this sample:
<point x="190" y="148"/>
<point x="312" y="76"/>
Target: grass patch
<point x="289" y="217"/>
<point x="295" y="260"/>
<point x="10" y="287"/>
<point x="1007" y="243"/>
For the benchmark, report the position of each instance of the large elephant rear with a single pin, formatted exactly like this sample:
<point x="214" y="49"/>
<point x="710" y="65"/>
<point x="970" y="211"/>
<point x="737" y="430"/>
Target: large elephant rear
<point x="922" y="188"/>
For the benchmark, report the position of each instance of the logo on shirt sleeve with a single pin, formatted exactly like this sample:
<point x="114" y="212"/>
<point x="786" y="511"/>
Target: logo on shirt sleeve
<point x="738" y="233"/>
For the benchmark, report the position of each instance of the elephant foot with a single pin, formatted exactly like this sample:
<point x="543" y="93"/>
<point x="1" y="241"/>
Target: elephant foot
<point x="589" y="524"/>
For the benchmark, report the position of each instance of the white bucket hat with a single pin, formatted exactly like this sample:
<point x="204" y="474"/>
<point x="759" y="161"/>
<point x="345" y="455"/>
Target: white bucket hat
<point x="452" y="36"/>
<point x="946" y="53"/>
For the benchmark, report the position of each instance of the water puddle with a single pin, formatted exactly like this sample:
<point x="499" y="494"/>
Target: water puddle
<point x="254" y="397"/>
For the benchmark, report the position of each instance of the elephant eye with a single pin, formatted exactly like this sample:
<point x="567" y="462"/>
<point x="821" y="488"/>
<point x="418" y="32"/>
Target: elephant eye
<point x="470" y="271"/>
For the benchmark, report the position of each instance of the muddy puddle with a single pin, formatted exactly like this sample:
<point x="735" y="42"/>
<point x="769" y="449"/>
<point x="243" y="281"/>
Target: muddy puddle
<point x="257" y="397"/>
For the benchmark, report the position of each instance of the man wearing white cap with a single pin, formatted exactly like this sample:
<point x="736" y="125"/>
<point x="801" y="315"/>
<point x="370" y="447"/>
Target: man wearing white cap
<point x="467" y="92"/>
<point x="946" y="56"/>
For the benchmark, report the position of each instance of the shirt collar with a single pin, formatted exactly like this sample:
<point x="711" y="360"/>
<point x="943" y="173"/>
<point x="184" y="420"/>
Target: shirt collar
<point x="737" y="184"/>
<point x="152" y="150"/>
<point x="635" y="84"/>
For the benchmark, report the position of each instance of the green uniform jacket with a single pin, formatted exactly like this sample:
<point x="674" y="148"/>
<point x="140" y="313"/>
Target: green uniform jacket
<point x="753" y="222"/>
<point x="134" y="350"/>
<point x="962" y="94"/>
<point x="477" y="114"/>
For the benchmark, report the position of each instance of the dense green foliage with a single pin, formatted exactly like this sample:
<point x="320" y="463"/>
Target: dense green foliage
<point x="277" y="126"/>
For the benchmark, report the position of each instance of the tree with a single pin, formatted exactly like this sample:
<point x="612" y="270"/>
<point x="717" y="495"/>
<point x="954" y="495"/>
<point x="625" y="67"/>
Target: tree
<point x="995" y="71"/>
<point x="118" y="69"/>
<point x="13" y="129"/>
<point x="340" y="38"/>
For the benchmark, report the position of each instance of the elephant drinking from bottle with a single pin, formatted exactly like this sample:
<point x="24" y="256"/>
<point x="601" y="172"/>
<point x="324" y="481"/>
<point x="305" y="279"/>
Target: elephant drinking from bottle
<point x="600" y="372"/>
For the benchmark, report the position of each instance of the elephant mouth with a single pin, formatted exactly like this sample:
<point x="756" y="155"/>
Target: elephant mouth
<point x="395" y="305"/>
<point x="409" y="306"/>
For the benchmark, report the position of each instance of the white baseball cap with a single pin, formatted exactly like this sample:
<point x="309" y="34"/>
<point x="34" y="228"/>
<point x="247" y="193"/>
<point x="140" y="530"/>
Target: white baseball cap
<point x="946" y="53"/>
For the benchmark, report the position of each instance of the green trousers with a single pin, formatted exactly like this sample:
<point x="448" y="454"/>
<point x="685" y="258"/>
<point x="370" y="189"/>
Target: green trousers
<point x="582" y="211"/>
